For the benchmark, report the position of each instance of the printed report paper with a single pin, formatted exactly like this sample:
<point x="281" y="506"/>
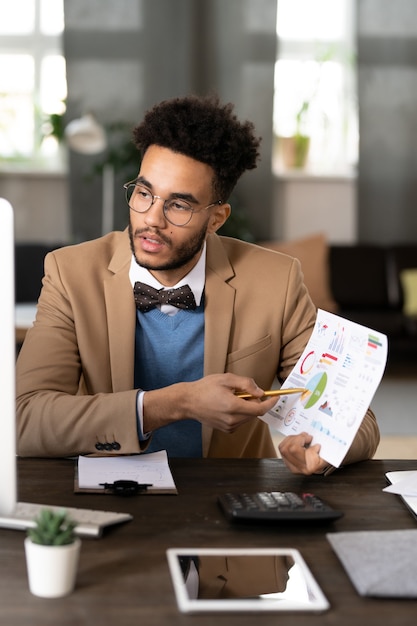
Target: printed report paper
<point x="340" y="369"/>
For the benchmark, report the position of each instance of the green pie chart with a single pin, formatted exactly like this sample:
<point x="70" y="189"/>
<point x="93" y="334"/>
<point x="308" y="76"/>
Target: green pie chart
<point x="315" y="386"/>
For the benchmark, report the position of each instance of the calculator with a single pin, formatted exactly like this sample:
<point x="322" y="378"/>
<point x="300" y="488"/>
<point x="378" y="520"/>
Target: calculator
<point x="276" y="506"/>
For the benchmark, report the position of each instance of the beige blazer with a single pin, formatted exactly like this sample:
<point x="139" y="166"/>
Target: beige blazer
<point x="75" y="368"/>
<point x="242" y="576"/>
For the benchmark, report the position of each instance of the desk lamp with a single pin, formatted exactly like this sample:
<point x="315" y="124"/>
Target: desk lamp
<point x="86" y="136"/>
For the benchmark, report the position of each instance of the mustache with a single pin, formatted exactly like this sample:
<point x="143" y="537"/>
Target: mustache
<point x="150" y="232"/>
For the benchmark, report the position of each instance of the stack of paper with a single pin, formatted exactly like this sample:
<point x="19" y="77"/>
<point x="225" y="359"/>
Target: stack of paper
<point x="404" y="484"/>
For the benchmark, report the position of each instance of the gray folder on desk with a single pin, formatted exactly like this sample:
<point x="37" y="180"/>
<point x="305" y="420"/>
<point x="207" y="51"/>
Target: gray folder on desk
<point x="379" y="563"/>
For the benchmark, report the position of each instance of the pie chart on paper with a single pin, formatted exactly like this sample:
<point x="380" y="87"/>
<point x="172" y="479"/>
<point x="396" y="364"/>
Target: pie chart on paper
<point x="315" y="388"/>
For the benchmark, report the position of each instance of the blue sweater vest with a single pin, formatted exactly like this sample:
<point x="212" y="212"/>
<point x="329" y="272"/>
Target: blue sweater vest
<point x="168" y="350"/>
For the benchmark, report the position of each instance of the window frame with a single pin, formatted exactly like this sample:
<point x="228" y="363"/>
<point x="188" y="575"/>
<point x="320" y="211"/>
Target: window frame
<point x="344" y="54"/>
<point x="38" y="45"/>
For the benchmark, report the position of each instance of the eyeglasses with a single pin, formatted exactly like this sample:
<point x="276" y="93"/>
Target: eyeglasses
<point x="178" y="212"/>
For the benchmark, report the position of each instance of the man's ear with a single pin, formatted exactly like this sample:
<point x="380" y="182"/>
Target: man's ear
<point x="218" y="217"/>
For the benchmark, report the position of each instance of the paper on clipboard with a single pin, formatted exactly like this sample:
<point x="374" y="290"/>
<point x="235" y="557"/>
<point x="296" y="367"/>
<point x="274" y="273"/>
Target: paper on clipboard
<point x="144" y="468"/>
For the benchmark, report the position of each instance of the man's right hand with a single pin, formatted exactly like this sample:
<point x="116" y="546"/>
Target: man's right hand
<point x="211" y="400"/>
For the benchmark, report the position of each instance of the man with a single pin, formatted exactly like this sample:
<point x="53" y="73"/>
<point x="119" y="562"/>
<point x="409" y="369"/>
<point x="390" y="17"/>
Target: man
<point x="98" y="375"/>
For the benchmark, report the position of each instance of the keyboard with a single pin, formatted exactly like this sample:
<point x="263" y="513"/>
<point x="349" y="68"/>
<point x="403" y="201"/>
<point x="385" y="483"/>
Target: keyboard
<point x="89" y="522"/>
<point x="275" y="506"/>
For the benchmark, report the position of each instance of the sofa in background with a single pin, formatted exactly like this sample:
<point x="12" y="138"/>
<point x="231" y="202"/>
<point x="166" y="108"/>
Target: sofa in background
<point x="374" y="285"/>
<point x="29" y="267"/>
<point x="28" y="260"/>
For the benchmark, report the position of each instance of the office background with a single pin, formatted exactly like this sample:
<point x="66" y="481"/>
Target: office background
<point x="124" y="56"/>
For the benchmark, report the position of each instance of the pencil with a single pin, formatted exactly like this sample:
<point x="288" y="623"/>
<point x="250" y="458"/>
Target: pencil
<point x="275" y="392"/>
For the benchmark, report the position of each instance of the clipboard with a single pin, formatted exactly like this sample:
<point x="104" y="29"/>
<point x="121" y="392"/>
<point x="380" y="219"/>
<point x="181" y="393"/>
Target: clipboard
<point x="153" y="469"/>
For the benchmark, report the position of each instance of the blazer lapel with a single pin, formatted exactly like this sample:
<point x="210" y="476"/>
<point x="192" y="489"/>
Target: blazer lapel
<point x="219" y="298"/>
<point x="121" y="315"/>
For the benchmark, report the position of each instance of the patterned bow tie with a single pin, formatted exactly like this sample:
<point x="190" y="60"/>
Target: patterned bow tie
<point x="146" y="297"/>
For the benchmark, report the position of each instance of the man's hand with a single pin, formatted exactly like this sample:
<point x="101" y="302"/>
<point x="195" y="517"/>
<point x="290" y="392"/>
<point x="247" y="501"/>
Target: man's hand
<point x="218" y="405"/>
<point x="211" y="400"/>
<point x="301" y="457"/>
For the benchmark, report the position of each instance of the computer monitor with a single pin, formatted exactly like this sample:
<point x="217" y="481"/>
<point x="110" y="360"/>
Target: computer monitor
<point x="8" y="466"/>
<point x="10" y="515"/>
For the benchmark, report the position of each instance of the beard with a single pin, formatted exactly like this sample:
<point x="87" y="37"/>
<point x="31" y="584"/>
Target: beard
<point x="183" y="254"/>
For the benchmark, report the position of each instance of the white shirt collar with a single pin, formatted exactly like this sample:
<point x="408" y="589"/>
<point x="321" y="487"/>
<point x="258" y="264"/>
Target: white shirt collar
<point x="195" y="279"/>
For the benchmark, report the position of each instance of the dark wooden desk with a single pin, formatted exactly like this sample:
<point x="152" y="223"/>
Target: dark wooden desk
<point x="124" y="579"/>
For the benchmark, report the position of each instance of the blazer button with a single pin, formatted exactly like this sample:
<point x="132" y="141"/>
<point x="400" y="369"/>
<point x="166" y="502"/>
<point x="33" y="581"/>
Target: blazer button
<point x="107" y="446"/>
<point x="99" y="446"/>
<point x="116" y="445"/>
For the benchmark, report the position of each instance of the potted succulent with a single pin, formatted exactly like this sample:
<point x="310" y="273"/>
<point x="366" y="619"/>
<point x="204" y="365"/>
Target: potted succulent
<point x="52" y="552"/>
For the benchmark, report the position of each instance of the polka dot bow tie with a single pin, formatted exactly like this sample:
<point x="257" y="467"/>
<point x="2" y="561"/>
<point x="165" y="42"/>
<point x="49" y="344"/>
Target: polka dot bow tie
<point x="146" y="297"/>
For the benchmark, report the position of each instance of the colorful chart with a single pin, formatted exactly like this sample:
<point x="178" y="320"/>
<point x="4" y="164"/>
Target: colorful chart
<point x="315" y="388"/>
<point x="290" y="417"/>
<point x="326" y="408"/>
<point x="308" y="363"/>
<point x="337" y="343"/>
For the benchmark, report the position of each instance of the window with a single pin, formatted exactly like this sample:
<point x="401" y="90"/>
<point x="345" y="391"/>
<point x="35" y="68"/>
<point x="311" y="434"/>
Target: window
<point x="315" y="87"/>
<point x="32" y="81"/>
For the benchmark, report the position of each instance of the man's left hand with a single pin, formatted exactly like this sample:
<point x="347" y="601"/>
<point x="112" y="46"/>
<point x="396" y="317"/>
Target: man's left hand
<point x="300" y="457"/>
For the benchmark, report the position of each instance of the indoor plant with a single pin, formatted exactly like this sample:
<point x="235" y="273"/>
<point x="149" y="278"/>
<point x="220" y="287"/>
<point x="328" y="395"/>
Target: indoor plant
<point x="52" y="551"/>
<point x="295" y="148"/>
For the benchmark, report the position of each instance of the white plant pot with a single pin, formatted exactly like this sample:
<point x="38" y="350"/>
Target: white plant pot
<point x="52" y="570"/>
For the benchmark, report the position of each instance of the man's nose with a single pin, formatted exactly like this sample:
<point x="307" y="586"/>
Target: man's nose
<point x="155" y="214"/>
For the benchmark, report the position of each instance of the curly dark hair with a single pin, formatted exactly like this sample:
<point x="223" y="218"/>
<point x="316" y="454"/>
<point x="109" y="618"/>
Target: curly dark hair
<point x="203" y="129"/>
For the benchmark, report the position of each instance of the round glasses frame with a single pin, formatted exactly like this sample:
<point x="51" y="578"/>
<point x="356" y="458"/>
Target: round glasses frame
<point x="177" y="212"/>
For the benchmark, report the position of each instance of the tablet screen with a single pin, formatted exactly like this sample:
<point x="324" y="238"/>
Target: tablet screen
<point x="270" y="579"/>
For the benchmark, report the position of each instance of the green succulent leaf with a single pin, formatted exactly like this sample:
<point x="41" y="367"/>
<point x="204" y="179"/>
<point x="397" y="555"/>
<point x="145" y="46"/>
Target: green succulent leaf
<point x="52" y="528"/>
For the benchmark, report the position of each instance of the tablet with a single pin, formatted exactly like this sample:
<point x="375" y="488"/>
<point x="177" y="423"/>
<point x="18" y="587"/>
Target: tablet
<point x="242" y="579"/>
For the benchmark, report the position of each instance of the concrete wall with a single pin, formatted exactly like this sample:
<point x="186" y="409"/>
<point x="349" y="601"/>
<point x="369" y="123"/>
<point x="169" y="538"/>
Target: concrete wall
<point x="387" y="84"/>
<point x="124" y="56"/>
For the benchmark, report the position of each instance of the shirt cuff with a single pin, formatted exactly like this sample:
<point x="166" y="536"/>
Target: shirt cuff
<point x="139" y="416"/>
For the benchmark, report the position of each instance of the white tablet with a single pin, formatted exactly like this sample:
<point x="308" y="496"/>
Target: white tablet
<point x="242" y="579"/>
